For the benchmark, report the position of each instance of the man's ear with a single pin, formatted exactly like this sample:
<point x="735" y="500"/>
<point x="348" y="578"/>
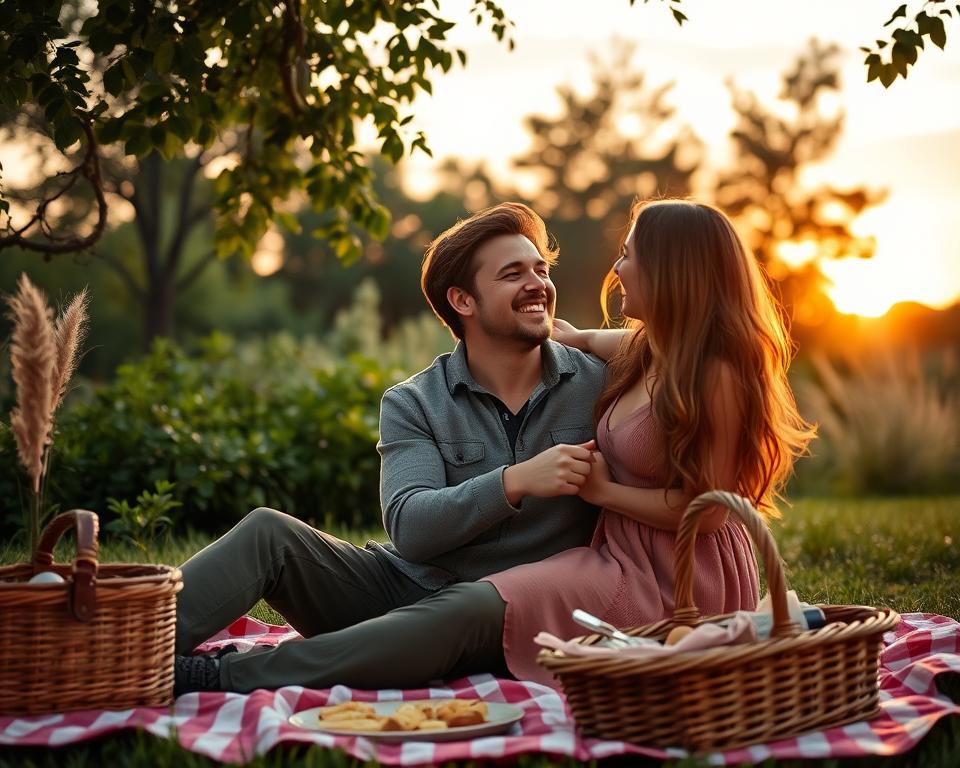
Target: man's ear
<point x="462" y="302"/>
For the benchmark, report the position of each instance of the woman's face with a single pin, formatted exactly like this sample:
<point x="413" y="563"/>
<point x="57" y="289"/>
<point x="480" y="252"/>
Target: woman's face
<point x="628" y="271"/>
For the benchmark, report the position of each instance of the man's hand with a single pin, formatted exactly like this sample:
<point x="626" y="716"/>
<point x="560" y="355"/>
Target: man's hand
<point x="592" y="490"/>
<point x="558" y="471"/>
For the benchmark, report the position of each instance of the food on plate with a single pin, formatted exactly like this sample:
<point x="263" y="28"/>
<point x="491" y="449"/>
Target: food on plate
<point x="408" y="716"/>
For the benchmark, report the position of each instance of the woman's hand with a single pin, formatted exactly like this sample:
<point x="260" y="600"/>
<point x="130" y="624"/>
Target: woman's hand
<point x="567" y="334"/>
<point x="594" y="487"/>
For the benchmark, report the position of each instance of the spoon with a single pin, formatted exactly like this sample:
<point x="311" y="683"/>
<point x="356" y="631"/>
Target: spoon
<point x="589" y="621"/>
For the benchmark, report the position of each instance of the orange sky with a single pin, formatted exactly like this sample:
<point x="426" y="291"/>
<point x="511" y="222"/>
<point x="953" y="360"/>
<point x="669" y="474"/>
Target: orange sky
<point x="905" y="139"/>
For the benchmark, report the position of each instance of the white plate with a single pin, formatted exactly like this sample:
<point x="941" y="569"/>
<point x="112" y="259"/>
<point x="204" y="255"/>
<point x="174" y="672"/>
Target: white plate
<point x="499" y="719"/>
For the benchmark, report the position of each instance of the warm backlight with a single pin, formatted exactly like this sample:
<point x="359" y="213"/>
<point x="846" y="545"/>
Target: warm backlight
<point x="911" y="263"/>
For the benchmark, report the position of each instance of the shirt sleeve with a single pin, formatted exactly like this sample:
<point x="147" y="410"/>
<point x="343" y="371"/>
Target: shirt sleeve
<point x="422" y="515"/>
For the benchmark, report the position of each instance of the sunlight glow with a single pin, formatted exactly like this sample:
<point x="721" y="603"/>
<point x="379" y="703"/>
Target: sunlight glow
<point x="268" y="257"/>
<point x="911" y="263"/>
<point x="796" y="254"/>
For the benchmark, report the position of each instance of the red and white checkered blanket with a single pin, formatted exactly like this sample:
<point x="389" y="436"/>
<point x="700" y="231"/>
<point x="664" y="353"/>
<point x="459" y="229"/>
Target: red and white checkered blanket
<point x="234" y="727"/>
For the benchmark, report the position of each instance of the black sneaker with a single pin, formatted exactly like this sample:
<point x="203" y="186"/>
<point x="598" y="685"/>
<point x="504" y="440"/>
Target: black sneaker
<point x="195" y="673"/>
<point x="225" y="650"/>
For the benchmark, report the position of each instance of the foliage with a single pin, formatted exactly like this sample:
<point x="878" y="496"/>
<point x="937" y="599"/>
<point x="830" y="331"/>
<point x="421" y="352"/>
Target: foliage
<point x="890" y="426"/>
<point x="907" y="38"/>
<point x="763" y="192"/>
<point x="276" y="422"/>
<point x="277" y="88"/>
<point x="141" y="523"/>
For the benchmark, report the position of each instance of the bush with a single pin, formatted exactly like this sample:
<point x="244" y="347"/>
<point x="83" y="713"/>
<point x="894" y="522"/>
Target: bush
<point x="233" y="429"/>
<point x="290" y="424"/>
<point x="888" y="426"/>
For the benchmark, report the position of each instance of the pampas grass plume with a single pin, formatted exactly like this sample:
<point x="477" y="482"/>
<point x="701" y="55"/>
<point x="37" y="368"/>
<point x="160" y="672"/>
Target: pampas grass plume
<point x="69" y="333"/>
<point x="33" y="354"/>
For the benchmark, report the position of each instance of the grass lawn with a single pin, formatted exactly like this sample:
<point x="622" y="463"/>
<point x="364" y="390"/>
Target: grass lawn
<point x="902" y="553"/>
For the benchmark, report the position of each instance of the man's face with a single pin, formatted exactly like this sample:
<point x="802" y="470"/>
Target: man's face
<point x="514" y="296"/>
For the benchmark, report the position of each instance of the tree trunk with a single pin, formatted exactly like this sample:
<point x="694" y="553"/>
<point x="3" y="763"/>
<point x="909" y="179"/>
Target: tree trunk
<point x="161" y="295"/>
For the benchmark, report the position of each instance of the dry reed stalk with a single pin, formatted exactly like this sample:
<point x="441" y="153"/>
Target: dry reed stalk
<point x="33" y="355"/>
<point x="69" y="333"/>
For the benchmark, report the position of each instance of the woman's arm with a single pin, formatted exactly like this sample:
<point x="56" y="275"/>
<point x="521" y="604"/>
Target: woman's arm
<point x="602" y="342"/>
<point x="651" y="506"/>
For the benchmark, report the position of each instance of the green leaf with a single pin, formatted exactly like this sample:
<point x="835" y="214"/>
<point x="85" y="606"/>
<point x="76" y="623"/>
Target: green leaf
<point x="899" y="58"/>
<point x="128" y="73"/>
<point x="139" y="143"/>
<point x="679" y="17"/>
<point x="392" y="147"/>
<point x="874" y="65"/>
<point x="113" y="80"/>
<point x="901" y="12"/>
<point x="938" y="35"/>
<point x="888" y="73"/>
<point x="288" y="221"/>
<point x="163" y="57"/>
<point x="66" y="131"/>
<point x="109" y="131"/>
<point x="379" y="225"/>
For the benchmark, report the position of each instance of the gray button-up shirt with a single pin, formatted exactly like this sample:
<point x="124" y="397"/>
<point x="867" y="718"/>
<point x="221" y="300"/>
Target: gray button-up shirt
<point x="443" y="451"/>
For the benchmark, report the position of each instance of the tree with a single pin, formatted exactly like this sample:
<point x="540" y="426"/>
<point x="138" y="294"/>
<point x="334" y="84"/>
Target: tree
<point x="590" y="168"/>
<point x="276" y="90"/>
<point x="763" y="191"/>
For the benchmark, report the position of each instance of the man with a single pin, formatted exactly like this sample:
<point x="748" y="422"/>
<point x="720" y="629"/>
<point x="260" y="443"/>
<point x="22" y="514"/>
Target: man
<point x="482" y="455"/>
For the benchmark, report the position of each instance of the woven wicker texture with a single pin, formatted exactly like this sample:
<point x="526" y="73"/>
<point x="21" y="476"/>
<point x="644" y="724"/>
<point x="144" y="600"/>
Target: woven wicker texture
<point x="102" y="640"/>
<point x="731" y="696"/>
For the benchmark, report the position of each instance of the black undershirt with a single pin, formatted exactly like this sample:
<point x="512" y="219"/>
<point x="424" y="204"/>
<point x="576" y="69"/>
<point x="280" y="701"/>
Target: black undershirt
<point x="511" y="421"/>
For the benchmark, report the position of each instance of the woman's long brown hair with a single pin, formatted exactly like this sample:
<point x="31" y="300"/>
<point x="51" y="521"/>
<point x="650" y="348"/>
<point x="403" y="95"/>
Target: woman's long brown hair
<point x="705" y="299"/>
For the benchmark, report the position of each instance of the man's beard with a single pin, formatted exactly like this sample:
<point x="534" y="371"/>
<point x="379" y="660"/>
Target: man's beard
<point x="511" y="328"/>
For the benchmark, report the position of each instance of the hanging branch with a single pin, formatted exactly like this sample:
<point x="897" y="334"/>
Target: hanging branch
<point x="89" y="169"/>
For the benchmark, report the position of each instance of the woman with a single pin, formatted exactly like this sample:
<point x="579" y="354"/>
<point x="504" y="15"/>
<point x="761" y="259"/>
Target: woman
<point x="697" y="399"/>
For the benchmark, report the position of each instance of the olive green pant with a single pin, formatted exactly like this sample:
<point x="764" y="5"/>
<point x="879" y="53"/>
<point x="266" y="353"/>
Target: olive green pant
<point x="364" y="624"/>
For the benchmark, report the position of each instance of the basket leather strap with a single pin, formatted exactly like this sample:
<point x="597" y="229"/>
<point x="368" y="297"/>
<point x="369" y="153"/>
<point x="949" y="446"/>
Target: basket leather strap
<point x="83" y="592"/>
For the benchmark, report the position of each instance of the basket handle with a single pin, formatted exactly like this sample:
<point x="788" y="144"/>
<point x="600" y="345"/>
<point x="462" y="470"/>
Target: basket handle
<point x="83" y="598"/>
<point x="685" y="611"/>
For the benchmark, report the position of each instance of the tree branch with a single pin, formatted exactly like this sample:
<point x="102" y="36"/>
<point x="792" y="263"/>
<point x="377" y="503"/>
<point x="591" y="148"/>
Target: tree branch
<point x="125" y="274"/>
<point x="89" y="168"/>
<point x="185" y="220"/>
<point x="185" y="280"/>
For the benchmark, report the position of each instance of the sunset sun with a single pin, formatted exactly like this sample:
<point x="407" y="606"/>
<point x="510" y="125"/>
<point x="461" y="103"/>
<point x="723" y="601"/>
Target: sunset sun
<point x="909" y="264"/>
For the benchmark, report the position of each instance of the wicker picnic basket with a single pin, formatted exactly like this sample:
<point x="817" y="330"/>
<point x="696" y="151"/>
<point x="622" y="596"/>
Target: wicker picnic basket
<point x="102" y="639"/>
<point x="730" y="696"/>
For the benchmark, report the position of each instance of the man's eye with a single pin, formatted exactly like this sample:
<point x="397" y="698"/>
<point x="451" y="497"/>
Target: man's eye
<point x="511" y="275"/>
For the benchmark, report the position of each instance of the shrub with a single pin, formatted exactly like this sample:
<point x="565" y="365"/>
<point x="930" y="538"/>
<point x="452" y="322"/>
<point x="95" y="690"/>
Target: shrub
<point x="888" y="426"/>
<point x="278" y="422"/>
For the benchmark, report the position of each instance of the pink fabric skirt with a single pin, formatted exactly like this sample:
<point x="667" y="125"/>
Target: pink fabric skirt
<point x="625" y="577"/>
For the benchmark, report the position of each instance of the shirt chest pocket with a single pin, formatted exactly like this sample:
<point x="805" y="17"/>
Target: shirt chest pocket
<point x="462" y="453"/>
<point x="572" y="435"/>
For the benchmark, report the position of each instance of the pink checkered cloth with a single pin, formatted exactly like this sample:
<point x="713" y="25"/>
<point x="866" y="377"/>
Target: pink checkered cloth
<point x="233" y="727"/>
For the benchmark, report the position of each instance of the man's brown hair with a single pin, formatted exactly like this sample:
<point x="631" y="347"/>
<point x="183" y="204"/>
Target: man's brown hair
<point x="448" y="261"/>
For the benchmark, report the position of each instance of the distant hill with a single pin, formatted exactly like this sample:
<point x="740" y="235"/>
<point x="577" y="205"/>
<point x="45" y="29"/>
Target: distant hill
<point x="907" y="324"/>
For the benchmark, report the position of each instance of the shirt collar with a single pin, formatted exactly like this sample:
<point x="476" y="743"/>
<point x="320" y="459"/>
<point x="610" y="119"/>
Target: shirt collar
<point x="557" y="362"/>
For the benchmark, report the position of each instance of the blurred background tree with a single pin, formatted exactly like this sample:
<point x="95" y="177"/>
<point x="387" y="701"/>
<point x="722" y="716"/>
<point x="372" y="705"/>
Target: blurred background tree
<point x="790" y="227"/>
<point x="618" y="142"/>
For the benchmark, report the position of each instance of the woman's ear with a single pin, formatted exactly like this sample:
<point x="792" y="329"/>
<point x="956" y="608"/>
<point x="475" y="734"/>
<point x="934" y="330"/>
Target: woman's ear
<point x="462" y="302"/>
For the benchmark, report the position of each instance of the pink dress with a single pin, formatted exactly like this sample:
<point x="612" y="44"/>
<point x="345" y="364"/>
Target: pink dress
<point x="625" y="576"/>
